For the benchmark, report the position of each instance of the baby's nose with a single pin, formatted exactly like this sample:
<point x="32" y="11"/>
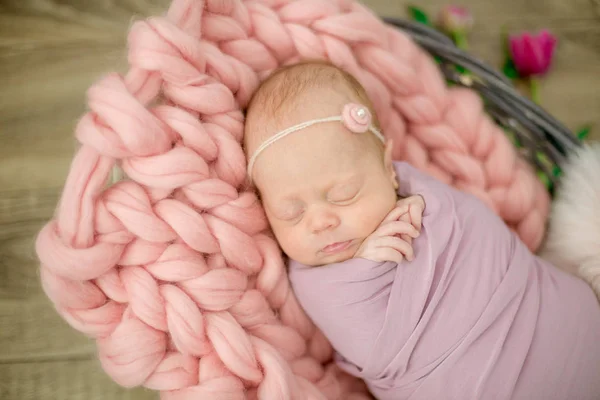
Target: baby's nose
<point x="324" y="219"/>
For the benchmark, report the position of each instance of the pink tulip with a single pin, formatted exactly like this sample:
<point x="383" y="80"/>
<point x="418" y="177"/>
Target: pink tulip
<point x="532" y="54"/>
<point x="453" y="19"/>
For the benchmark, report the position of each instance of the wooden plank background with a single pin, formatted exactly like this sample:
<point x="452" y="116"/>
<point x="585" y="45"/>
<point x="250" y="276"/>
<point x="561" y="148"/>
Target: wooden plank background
<point x="51" y="51"/>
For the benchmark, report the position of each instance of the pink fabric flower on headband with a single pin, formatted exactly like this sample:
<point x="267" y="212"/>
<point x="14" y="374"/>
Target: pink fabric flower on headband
<point x="356" y="117"/>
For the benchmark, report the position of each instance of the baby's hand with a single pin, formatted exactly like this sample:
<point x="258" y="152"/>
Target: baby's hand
<point x="411" y="209"/>
<point x="392" y="240"/>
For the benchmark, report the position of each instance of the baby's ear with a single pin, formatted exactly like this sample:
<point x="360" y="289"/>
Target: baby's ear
<point x="388" y="162"/>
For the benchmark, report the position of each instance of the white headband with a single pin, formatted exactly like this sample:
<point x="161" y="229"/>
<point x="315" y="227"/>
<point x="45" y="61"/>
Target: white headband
<point x="356" y="117"/>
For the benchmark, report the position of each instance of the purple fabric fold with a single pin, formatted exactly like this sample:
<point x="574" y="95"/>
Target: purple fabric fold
<point x="475" y="315"/>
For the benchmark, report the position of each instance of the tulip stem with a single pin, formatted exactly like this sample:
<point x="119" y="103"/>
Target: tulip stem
<point x="460" y="39"/>
<point x="534" y="89"/>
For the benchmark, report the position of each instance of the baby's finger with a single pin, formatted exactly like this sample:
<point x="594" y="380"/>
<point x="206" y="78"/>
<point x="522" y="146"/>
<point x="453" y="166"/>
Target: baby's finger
<point x="415" y="199"/>
<point x="403" y="236"/>
<point x="406" y="218"/>
<point x="416" y="216"/>
<point x="396" y="213"/>
<point x="402" y="204"/>
<point x="396" y="228"/>
<point x="389" y="254"/>
<point x="398" y="245"/>
<point x="406" y="238"/>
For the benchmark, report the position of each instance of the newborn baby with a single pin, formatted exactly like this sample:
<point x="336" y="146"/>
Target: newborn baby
<point x="421" y="289"/>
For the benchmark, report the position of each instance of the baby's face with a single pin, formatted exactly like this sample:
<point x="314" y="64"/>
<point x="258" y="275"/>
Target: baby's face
<point x="324" y="191"/>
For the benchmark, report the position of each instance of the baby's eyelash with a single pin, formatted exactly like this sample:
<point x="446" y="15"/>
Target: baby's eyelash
<point x="346" y="200"/>
<point x="295" y="219"/>
<point x="293" y="215"/>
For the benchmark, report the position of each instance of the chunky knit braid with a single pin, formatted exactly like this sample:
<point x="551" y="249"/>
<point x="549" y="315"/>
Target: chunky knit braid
<point x="172" y="270"/>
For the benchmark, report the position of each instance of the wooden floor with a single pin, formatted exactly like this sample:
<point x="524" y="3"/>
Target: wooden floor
<point x="51" y="50"/>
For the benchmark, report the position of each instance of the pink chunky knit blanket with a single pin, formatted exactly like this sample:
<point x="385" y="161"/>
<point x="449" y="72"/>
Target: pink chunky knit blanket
<point x="172" y="269"/>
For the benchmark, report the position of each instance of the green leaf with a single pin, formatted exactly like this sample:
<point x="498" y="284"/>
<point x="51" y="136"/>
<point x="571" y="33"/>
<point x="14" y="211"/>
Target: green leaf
<point x="509" y="69"/>
<point x="543" y="158"/>
<point x="462" y="69"/>
<point x="418" y="15"/>
<point x="545" y="180"/>
<point x="583" y="132"/>
<point x="556" y="171"/>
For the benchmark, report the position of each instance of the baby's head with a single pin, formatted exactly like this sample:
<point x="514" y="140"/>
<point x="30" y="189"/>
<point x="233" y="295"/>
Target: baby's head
<point x="324" y="188"/>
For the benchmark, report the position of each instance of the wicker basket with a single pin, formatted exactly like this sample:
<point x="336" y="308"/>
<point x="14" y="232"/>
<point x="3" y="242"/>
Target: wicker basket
<point x="540" y="138"/>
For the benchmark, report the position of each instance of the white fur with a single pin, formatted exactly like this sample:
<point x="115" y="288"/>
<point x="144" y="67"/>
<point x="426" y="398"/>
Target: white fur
<point x="573" y="240"/>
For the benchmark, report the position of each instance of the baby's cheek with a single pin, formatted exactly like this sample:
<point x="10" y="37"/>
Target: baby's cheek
<point x="372" y="214"/>
<point x="289" y="241"/>
<point x="366" y="220"/>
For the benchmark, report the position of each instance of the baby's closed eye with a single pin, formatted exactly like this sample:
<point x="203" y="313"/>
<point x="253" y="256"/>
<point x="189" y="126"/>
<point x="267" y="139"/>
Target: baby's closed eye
<point x="288" y="212"/>
<point x="344" y="193"/>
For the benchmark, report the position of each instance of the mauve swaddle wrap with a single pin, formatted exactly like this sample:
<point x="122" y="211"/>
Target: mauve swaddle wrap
<point x="474" y="316"/>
